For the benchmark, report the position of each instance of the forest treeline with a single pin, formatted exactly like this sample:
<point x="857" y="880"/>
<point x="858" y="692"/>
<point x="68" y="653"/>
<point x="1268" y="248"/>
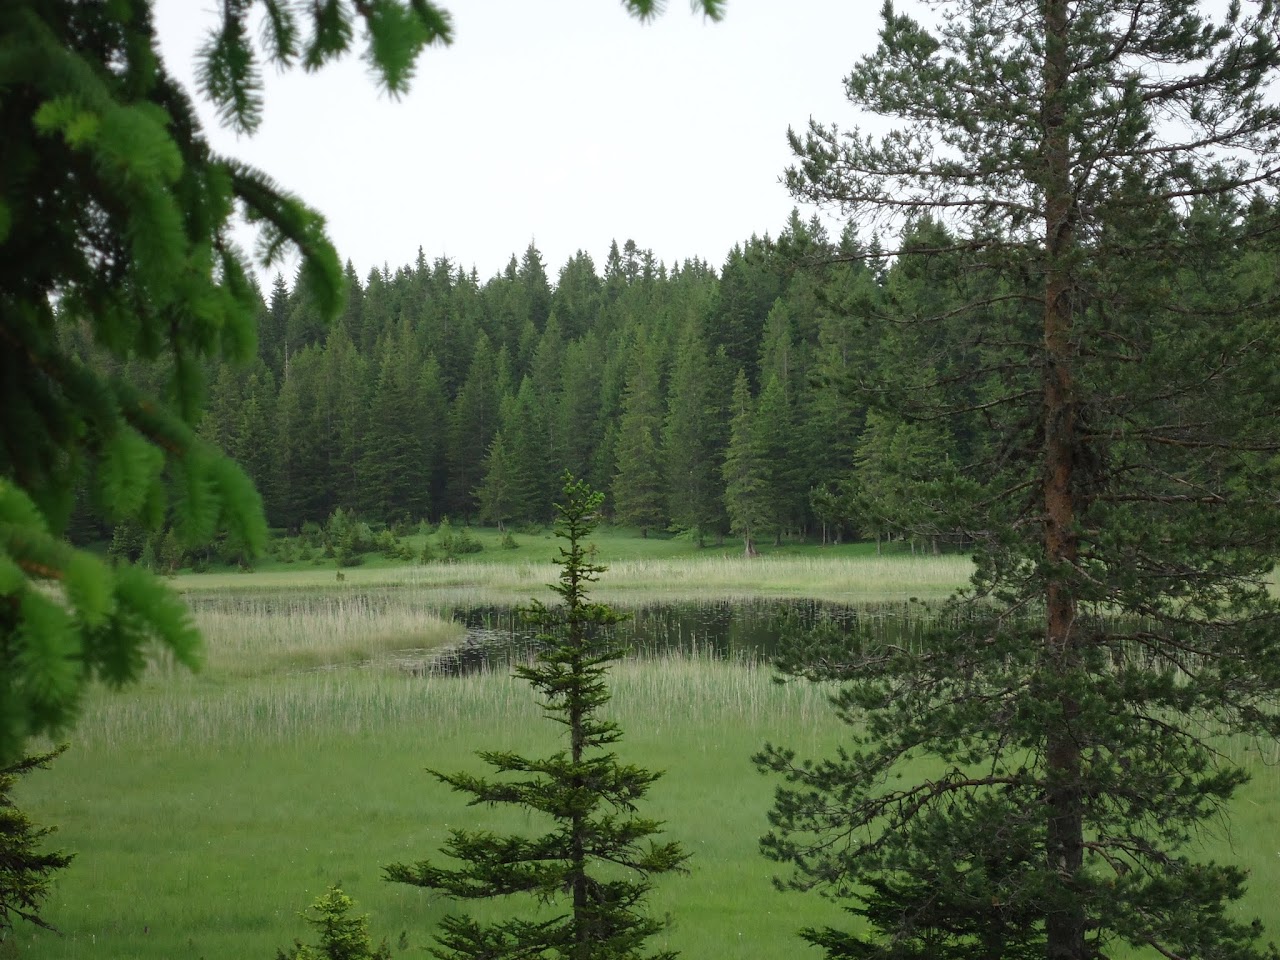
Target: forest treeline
<point x="713" y="402"/>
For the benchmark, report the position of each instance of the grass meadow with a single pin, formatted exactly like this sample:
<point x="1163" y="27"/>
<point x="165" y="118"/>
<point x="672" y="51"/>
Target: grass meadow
<point x="207" y="810"/>
<point x="837" y="576"/>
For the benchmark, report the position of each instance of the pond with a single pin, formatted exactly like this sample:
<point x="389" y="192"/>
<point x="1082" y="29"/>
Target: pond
<point x="729" y="629"/>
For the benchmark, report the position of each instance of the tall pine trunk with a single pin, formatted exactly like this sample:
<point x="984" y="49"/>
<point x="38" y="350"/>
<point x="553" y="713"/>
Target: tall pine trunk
<point x="1064" y="839"/>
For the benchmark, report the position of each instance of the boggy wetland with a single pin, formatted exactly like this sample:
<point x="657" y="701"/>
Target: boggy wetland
<point x="206" y="810"/>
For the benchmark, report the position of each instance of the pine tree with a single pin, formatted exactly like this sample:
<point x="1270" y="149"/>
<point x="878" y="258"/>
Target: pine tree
<point x="1106" y="171"/>
<point x="395" y="477"/>
<point x="578" y="416"/>
<point x="524" y="422"/>
<point x="600" y="855"/>
<point x="273" y="347"/>
<point x="495" y="495"/>
<point x="577" y="298"/>
<point x="537" y="291"/>
<point x="689" y="450"/>
<point x="843" y="353"/>
<point x="344" y="392"/>
<point x="749" y="285"/>
<point x="777" y="443"/>
<point x="300" y="465"/>
<point x="253" y="447"/>
<point x="434" y="429"/>
<point x="473" y="420"/>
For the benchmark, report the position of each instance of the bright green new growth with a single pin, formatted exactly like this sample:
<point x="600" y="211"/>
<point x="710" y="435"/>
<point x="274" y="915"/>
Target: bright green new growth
<point x="342" y="937"/>
<point x="114" y="245"/>
<point x="599" y="855"/>
<point x="25" y="870"/>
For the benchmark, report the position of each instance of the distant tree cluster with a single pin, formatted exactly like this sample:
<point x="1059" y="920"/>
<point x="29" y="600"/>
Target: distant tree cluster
<point x="435" y="394"/>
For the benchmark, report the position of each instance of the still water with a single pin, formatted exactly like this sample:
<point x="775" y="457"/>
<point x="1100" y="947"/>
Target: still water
<point x="732" y="629"/>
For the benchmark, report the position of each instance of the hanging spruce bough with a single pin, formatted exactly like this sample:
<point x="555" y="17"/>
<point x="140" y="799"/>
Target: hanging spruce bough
<point x="591" y="872"/>
<point x="1097" y="180"/>
<point x="115" y="221"/>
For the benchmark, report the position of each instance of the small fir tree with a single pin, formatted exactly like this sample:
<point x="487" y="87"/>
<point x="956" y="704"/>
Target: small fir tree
<point x="342" y="937"/>
<point x="494" y="493"/>
<point x="590" y="796"/>
<point x="26" y="872"/>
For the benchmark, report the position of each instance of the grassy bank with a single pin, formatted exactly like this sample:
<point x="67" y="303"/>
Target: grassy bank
<point x="850" y="577"/>
<point x="206" y="814"/>
<point x="207" y="810"/>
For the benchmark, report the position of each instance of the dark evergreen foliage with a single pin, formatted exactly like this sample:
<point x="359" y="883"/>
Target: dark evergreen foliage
<point x="638" y="485"/>
<point x="638" y="400"/>
<point x="591" y="873"/>
<point x="1068" y="378"/>
<point x="26" y="870"/>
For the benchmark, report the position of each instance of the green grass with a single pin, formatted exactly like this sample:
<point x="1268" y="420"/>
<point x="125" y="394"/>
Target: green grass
<point x="206" y="814"/>
<point x="207" y="810"/>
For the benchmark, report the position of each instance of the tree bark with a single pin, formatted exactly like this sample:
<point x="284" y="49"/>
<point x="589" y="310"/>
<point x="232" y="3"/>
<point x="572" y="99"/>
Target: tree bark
<point x="1065" y="922"/>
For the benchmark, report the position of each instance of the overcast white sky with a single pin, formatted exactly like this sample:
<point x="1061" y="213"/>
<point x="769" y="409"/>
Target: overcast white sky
<point x="564" y="122"/>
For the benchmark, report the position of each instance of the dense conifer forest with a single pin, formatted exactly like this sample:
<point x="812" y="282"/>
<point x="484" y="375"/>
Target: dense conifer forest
<point x="707" y="400"/>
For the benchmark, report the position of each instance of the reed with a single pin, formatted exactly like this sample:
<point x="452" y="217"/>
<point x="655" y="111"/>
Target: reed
<point x="248" y="634"/>
<point x="845" y="578"/>
<point x="206" y="811"/>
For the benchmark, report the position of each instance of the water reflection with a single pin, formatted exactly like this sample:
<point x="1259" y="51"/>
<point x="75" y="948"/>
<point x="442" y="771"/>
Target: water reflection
<point x="730" y="629"/>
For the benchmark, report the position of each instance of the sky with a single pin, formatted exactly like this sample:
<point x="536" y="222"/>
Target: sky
<point x="565" y="123"/>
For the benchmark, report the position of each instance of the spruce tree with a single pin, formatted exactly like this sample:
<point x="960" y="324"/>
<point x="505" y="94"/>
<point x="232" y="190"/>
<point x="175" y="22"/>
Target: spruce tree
<point x="577" y="418"/>
<point x="473" y="420"/>
<point x="746" y="493"/>
<point x="342" y="936"/>
<point x="591" y="872"/>
<point x="496" y="495"/>
<point x="777" y="443"/>
<point x="528" y="446"/>
<point x="637" y="488"/>
<point x="1105" y="171"/>
<point x="689" y="454"/>
<point x="577" y="297"/>
<point x="26" y="870"/>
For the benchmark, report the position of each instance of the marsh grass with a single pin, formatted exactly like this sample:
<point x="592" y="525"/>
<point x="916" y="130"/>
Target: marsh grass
<point x="207" y="814"/>
<point x="837" y="577"/>
<point x="249" y="634"/>
<point x="207" y="810"/>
